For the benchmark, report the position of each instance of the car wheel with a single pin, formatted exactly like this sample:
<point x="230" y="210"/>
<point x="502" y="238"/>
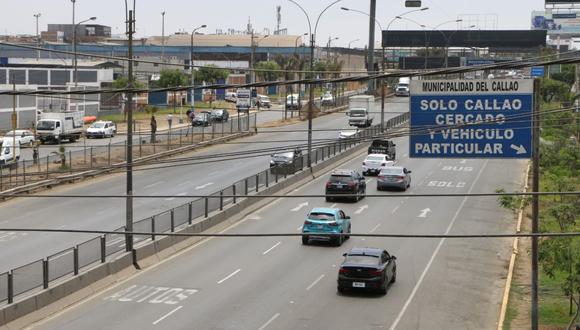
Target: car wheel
<point x="347" y="236"/>
<point x="328" y="199"/>
<point x="340" y="289"/>
<point x="305" y="240"/>
<point x="339" y="239"/>
<point x="30" y="144"/>
<point x="394" y="278"/>
<point x="383" y="290"/>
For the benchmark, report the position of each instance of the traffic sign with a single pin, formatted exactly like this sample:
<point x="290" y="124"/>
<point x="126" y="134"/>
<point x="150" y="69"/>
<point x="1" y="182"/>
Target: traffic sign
<point x="471" y="118"/>
<point x="537" y="71"/>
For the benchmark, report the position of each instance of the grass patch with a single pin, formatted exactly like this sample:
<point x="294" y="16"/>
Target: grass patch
<point x="516" y="293"/>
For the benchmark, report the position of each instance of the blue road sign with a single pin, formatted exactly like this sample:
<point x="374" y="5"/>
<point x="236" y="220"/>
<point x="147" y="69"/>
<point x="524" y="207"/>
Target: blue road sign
<point x="471" y="118"/>
<point x="537" y="71"/>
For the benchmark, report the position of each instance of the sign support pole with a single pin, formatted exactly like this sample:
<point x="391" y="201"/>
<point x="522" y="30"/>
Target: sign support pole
<point x="535" y="200"/>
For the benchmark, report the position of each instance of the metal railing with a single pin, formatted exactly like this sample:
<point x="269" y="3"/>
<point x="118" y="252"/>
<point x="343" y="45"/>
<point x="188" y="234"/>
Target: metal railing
<point x="69" y="262"/>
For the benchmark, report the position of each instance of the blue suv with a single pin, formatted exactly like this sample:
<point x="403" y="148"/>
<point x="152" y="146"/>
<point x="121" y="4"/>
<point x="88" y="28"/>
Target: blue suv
<point x="322" y="220"/>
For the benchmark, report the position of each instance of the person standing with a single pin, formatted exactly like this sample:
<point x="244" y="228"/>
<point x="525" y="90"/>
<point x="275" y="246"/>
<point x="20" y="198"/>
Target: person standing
<point x="153" y="128"/>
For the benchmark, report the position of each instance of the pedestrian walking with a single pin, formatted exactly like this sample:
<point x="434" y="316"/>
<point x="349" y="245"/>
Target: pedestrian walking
<point x="153" y="128"/>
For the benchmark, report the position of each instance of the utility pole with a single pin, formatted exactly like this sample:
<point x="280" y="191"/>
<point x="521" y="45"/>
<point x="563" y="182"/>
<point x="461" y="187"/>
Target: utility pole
<point x="162" y="40"/>
<point x="535" y="200"/>
<point x="129" y="105"/>
<point x="370" y="56"/>
<point x="310" y="102"/>
<point x="37" y="37"/>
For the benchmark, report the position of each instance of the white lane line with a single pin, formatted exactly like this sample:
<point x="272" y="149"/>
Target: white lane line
<point x="229" y="276"/>
<point x="361" y="209"/>
<point x="333" y="206"/>
<point x="172" y="198"/>
<point x="369" y="180"/>
<point x="422" y="277"/>
<point x="153" y="184"/>
<point x="167" y="315"/>
<point x="269" y="321"/>
<point x="315" y="281"/>
<point x="301" y="205"/>
<point x="272" y="248"/>
<point x="375" y="228"/>
<point x="204" y="186"/>
<point x="395" y="209"/>
<point x="299" y="228"/>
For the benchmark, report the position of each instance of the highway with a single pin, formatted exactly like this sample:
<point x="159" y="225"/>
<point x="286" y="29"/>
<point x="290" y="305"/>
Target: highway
<point x="17" y="249"/>
<point x="278" y="283"/>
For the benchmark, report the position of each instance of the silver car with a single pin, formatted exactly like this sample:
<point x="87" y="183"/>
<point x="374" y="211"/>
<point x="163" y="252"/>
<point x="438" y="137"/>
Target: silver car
<point x="394" y="177"/>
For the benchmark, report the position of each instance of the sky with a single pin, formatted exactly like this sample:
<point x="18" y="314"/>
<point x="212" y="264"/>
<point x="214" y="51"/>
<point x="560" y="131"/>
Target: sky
<point x="16" y="16"/>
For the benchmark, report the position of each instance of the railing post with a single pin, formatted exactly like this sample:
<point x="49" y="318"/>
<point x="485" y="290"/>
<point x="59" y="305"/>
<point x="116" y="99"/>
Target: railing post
<point x="276" y="175"/>
<point x="153" y="228"/>
<point x="109" y="154"/>
<point x="103" y="248"/>
<point x="70" y="160"/>
<point x="76" y="260"/>
<point x="10" y="287"/>
<point x="24" y="171"/>
<point x="267" y="178"/>
<point x="190" y="215"/>
<point x="246" y="186"/>
<point x="47" y="163"/>
<point x="206" y="206"/>
<point x="257" y="182"/>
<point x="316" y="155"/>
<point x="221" y="200"/>
<point x="234" y="189"/>
<point x="45" y="273"/>
<point x="91" y="156"/>
<point x="172" y="213"/>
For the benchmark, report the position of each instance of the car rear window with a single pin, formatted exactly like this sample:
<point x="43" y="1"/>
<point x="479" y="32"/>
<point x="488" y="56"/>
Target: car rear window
<point x="336" y="178"/>
<point x="321" y="216"/>
<point x="362" y="259"/>
<point x="375" y="158"/>
<point x="391" y="171"/>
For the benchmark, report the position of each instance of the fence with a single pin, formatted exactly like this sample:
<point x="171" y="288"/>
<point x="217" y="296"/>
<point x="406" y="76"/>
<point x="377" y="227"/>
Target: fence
<point x="69" y="262"/>
<point x="87" y="157"/>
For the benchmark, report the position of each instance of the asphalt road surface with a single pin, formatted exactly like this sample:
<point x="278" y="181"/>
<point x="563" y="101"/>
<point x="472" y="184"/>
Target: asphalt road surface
<point x="17" y="248"/>
<point x="278" y="283"/>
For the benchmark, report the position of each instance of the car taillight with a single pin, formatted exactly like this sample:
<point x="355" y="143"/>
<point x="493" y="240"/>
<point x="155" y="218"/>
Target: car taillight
<point x="381" y="177"/>
<point x="364" y="163"/>
<point x="306" y="223"/>
<point x="342" y="270"/>
<point x="328" y="185"/>
<point x="376" y="272"/>
<point x="351" y="184"/>
<point x="333" y="224"/>
<point x="401" y="178"/>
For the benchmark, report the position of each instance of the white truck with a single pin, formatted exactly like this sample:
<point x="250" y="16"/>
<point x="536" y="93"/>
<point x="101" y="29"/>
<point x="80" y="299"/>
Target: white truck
<point x="9" y="151"/>
<point x="58" y="126"/>
<point x="360" y="110"/>
<point x="244" y="99"/>
<point x="402" y="88"/>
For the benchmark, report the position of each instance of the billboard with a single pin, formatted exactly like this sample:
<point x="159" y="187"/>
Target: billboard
<point x="556" y="23"/>
<point x="561" y="2"/>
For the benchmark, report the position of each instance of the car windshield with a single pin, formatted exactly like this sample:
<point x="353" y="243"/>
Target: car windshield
<point x="321" y="216"/>
<point x="380" y="143"/>
<point x="341" y="178"/>
<point x="43" y="124"/>
<point x="98" y="125"/>
<point x="282" y="157"/>
<point x="403" y="85"/>
<point x="362" y="259"/>
<point x="357" y="113"/>
<point x="392" y="171"/>
<point x="375" y="158"/>
<point x="217" y="112"/>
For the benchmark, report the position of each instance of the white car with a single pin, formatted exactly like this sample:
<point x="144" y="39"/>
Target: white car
<point x="101" y="129"/>
<point x="23" y="137"/>
<point x="327" y="99"/>
<point x="348" y="133"/>
<point x="374" y="163"/>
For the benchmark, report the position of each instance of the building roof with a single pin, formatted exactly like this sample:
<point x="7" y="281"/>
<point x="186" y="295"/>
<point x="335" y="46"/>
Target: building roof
<point x="239" y="40"/>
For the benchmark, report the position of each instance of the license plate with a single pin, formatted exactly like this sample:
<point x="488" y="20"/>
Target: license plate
<point x="358" y="284"/>
<point x="320" y="226"/>
<point x="339" y="186"/>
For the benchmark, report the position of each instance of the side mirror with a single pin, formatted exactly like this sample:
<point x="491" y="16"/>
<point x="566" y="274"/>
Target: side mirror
<point x="344" y="254"/>
<point x="409" y="171"/>
<point x="347" y="217"/>
<point x="393" y="258"/>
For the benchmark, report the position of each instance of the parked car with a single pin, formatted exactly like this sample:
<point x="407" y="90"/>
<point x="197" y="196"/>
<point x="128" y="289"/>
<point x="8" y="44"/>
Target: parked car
<point x="394" y="177"/>
<point x="346" y="182"/>
<point x="286" y="162"/>
<point x="327" y="99"/>
<point x="231" y="97"/>
<point x="101" y="129"/>
<point x="348" y="133"/>
<point x="263" y="101"/>
<point x="322" y="220"/>
<point x="24" y="137"/>
<point x="374" y="163"/>
<point x="202" y="119"/>
<point x="221" y="115"/>
<point x="367" y="269"/>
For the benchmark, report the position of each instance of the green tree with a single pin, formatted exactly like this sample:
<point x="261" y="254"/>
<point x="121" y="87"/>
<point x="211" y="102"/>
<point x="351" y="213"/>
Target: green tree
<point x="123" y="82"/>
<point x="171" y="78"/>
<point x="268" y="70"/>
<point x="554" y="91"/>
<point x="210" y="75"/>
<point x="566" y="75"/>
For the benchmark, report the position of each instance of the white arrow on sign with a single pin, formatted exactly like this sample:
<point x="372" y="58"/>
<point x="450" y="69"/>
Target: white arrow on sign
<point x="301" y="205"/>
<point x="519" y="149"/>
<point x="361" y="209"/>
<point x="424" y="213"/>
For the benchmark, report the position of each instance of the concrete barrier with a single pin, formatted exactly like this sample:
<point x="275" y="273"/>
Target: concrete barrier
<point x="89" y="282"/>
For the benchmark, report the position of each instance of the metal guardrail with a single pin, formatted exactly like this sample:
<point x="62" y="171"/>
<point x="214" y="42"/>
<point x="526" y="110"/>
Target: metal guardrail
<point x="41" y="273"/>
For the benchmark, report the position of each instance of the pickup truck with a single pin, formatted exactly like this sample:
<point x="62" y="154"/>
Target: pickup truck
<point x="58" y="126"/>
<point x="383" y="146"/>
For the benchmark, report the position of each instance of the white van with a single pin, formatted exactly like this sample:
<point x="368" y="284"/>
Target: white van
<point x="9" y="153"/>
<point x="293" y="102"/>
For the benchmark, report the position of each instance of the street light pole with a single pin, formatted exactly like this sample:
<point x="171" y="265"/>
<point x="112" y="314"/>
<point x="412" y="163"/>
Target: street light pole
<point x="75" y="48"/>
<point x="191" y="71"/>
<point x="311" y="89"/>
<point x="37" y="37"/>
<point x="371" y="50"/>
<point x="162" y="40"/>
